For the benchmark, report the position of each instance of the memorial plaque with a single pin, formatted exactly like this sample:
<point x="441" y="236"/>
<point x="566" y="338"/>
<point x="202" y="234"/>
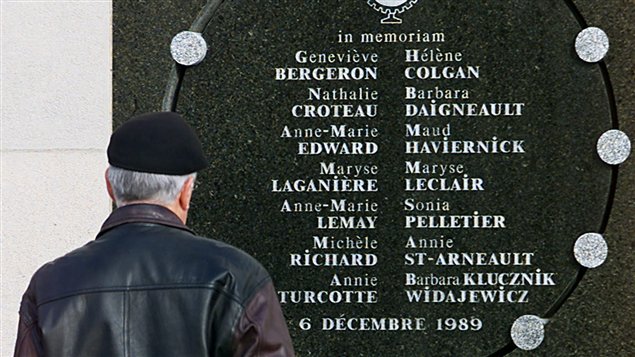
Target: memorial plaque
<point x="414" y="174"/>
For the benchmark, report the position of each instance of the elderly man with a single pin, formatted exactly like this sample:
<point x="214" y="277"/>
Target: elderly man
<point x="147" y="285"/>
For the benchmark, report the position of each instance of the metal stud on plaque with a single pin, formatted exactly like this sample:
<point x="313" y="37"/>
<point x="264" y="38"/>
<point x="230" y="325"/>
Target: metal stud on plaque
<point x="592" y="44"/>
<point x="614" y="147"/>
<point x="590" y="250"/>
<point x="528" y="332"/>
<point x="188" y="48"/>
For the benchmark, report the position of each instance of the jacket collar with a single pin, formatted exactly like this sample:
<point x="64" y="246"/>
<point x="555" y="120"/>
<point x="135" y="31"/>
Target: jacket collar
<point x="142" y="213"/>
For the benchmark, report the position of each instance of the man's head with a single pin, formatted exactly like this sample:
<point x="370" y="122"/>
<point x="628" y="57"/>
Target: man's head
<point x="129" y="186"/>
<point x="153" y="159"/>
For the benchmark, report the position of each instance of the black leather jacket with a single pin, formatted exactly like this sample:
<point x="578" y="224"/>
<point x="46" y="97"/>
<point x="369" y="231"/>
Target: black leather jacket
<point x="147" y="286"/>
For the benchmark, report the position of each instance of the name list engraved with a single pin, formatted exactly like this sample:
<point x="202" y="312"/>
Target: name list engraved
<point x="337" y="128"/>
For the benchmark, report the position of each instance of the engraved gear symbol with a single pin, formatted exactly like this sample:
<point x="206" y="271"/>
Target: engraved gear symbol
<point x="390" y="11"/>
<point x="407" y="5"/>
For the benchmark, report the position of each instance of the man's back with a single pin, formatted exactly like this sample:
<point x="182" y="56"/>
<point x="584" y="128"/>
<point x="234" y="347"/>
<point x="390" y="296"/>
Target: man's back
<point x="149" y="287"/>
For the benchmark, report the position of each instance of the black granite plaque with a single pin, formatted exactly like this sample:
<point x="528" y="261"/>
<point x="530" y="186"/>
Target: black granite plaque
<point x="414" y="174"/>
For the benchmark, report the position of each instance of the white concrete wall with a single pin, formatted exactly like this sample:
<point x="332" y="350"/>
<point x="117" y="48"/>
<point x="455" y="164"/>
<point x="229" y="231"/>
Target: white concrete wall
<point x="55" y="112"/>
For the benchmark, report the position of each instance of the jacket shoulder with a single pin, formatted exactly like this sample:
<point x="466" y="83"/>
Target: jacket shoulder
<point x="141" y="255"/>
<point x="241" y="266"/>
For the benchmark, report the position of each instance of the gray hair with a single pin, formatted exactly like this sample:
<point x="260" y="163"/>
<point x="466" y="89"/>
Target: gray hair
<point x="133" y="186"/>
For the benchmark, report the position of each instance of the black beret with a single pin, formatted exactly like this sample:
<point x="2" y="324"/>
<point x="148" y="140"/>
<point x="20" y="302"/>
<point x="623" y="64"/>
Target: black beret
<point x="159" y="143"/>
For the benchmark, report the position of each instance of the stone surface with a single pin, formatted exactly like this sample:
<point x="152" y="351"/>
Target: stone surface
<point x="49" y="82"/>
<point x="55" y="115"/>
<point x="556" y="192"/>
<point x="595" y="309"/>
<point x="37" y="223"/>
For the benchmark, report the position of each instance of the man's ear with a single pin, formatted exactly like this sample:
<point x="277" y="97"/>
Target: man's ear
<point x="186" y="193"/>
<point x="109" y="186"/>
